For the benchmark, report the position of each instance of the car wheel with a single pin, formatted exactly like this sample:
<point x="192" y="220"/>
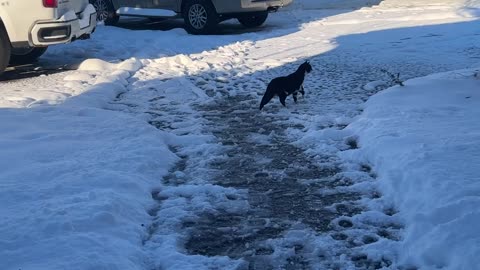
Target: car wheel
<point x="254" y="19"/>
<point x="105" y="11"/>
<point x="26" y="56"/>
<point x="4" y="49"/>
<point x="200" y="17"/>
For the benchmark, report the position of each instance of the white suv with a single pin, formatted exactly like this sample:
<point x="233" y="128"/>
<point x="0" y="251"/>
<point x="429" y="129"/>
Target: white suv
<point x="28" y="27"/>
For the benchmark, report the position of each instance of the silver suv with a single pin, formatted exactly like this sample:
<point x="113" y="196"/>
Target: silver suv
<point x="201" y="16"/>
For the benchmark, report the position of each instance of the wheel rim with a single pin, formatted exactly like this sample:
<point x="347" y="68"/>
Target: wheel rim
<point x="102" y="9"/>
<point x="197" y="15"/>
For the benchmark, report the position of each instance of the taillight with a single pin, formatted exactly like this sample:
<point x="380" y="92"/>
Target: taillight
<point x="50" y="3"/>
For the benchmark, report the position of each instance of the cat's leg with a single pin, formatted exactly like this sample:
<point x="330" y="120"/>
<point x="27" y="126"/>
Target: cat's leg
<point x="302" y="90"/>
<point x="282" y="96"/>
<point x="294" y="95"/>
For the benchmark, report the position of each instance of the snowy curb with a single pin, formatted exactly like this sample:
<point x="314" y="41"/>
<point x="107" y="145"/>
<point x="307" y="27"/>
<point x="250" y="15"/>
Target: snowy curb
<point x="422" y="142"/>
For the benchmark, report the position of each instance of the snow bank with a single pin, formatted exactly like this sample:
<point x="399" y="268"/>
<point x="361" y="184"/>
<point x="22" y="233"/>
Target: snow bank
<point x="355" y="4"/>
<point x="76" y="179"/>
<point x="423" y="142"/>
<point x="75" y="186"/>
<point x="93" y="76"/>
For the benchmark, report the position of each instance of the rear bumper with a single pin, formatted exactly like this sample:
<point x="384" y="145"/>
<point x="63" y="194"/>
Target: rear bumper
<point x="242" y="6"/>
<point x="265" y="4"/>
<point x="68" y="28"/>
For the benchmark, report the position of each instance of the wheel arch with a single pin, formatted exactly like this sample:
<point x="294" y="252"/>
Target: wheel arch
<point x="114" y="5"/>
<point x="111" y="12"/>
<point x="184" y="2"/>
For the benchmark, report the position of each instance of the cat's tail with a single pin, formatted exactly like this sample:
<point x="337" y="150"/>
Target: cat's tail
<point x="269" y="94"/>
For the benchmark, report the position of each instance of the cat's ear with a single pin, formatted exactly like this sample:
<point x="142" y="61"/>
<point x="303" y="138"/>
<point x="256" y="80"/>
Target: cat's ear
<point x="306" y="61"/>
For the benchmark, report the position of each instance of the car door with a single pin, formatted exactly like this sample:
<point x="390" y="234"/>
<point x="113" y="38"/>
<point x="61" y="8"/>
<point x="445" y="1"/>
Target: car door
<point x="165" y="4"/>
<point x="132" y="3"/>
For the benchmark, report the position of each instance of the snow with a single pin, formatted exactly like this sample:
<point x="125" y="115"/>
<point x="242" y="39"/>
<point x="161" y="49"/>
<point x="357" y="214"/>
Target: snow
<point x="73" y="176"/>
<point x="81" y="162"/>
<point x="422" y="141"/>
<point x="76" y="179"/>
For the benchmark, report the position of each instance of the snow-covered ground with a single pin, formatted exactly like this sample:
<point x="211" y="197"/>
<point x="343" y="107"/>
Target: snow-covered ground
<point x="422" y="140"/>
<point x="129" y="160"/>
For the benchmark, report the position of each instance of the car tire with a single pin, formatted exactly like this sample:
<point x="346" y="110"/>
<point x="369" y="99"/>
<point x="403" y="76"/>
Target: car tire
<point x="253" y="19"/>
<point x="105" y="11"/>
<point x="26" y="56"/>
<point x="5" y="49"/>
<point x="200" y="17"/>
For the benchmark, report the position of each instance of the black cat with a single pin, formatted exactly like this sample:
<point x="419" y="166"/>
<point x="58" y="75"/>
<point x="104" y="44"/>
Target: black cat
<point x="289" y="85"/>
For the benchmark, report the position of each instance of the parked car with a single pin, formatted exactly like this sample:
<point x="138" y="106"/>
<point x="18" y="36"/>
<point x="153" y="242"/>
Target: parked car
<point x="201" y="16"/>
<point x="28" y="27"/>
